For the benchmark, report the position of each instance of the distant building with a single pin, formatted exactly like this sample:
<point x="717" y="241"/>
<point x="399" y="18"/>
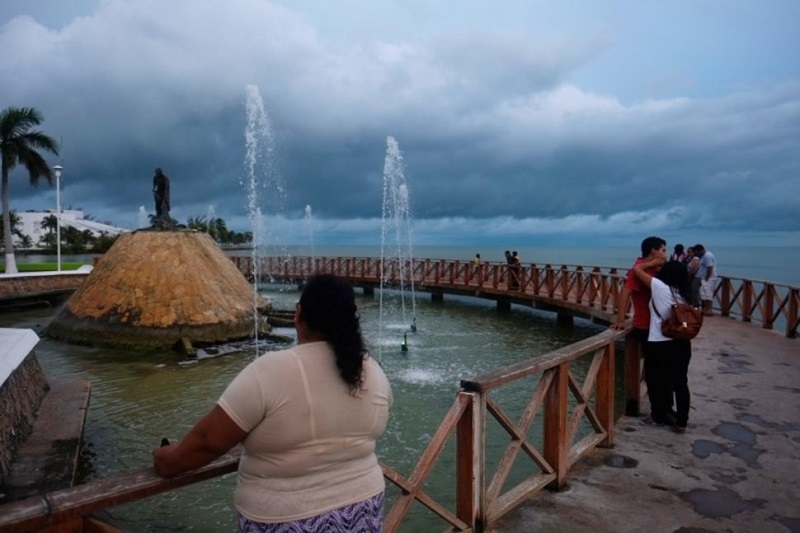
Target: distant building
<point x="31" y="224"/>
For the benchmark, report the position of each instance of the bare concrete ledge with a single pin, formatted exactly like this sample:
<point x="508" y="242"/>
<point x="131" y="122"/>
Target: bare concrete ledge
<point x="48" y="458"/>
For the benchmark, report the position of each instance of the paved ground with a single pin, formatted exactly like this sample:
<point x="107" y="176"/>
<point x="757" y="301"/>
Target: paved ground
<point x="737" y="469"/>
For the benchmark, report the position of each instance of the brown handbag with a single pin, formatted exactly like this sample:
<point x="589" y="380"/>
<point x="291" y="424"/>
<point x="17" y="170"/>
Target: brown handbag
<point x="684" y="323"/>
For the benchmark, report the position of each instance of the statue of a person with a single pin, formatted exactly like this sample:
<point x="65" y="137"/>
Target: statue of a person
<point x="161" y="194"/>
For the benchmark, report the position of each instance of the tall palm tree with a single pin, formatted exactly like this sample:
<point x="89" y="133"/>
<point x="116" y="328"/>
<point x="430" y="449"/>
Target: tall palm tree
<point x="19" y="145"/>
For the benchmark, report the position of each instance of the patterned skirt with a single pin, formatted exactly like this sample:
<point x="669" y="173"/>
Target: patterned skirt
<point x="364" y="517"/>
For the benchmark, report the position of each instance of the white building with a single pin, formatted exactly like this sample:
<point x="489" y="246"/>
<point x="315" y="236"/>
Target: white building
<point x="31" y="224"/>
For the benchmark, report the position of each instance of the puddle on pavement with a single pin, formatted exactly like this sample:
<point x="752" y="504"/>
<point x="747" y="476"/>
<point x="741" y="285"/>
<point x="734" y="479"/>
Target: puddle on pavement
<point x="703" y="448"/>
<point x="620" y="461"/>
<point x="735" y="432"/>
<point x="721" y="503"/>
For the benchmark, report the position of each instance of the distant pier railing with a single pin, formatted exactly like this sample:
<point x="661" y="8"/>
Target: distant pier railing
<point x="590" y="291"/>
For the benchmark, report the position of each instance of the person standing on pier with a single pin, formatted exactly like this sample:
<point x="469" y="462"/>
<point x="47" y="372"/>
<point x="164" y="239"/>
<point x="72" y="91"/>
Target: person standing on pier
<point x="707" y="277"/>
<point x="308" y="418"/>
<point x="670" y="357"/>
<point x="635" y="292"/>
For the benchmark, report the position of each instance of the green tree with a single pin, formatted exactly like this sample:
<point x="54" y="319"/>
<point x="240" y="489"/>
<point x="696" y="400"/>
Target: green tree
<point x="103" y="243"/>
<point x="25" y="242"/>
<point x="18" y="146"/>
<point x="15" y="222"/>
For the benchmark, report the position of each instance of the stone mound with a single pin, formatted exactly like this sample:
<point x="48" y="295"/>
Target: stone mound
<point x="153" y="289"/>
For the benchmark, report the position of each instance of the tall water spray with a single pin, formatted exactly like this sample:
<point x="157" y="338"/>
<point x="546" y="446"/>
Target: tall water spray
<point x="212" y="222"/>
<point x="396" y="227"/>
<point x="143" y="221"/>
<point x="257" y="163"/>
<point x="310" y="230"/>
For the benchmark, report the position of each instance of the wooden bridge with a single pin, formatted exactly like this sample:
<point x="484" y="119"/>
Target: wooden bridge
<point x="575" y="409"/>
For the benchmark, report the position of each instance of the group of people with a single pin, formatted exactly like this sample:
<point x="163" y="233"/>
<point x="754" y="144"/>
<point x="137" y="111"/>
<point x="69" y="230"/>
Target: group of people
<point x="514" y="269"/>
<point x="702" y="267"/>
<point x="308" y="419"/>
<point x="653" y="285"/>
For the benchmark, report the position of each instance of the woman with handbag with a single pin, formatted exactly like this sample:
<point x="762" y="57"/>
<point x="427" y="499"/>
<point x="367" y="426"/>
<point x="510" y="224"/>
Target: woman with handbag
<point x="668" y="286"/>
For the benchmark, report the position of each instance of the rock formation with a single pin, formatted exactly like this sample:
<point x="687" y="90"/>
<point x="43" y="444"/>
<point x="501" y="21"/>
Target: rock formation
<point x="159" y="289"/>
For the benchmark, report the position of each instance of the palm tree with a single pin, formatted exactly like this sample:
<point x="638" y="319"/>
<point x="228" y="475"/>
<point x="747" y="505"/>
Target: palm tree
<point x="18" y="145"/>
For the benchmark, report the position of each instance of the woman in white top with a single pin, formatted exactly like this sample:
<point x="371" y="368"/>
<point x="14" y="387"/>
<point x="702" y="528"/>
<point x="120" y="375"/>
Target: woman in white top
<point x="671" y="356"/>
<point x="308" y="418"/>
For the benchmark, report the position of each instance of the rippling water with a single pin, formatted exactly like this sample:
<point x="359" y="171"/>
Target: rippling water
<point x="138" y="399"/>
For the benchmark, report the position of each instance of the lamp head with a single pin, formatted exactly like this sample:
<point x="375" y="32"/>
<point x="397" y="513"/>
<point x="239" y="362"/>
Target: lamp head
<point x="57" y="170"/>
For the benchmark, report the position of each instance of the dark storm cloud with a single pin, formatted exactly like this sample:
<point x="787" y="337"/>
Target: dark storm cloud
<point x="497" y="135"/>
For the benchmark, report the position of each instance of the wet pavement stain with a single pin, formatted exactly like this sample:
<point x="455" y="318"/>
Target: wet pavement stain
<point x="740" y="402"/>
<point x="744" y="440"/>
<point x="792" y="524"/>
<point x="734" y="363"/>
<point x="735" y="432"/>
<point x="758" y="421"/>
<point x="703" y="448"/>
<point x="621" y="461"/>
<point x="720" y="503"/>
<point x="728" y="480"/>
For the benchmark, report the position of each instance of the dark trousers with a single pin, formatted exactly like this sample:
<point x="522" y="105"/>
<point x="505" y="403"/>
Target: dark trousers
<point x="670" y="367"/>
<point x="651" y="373"/>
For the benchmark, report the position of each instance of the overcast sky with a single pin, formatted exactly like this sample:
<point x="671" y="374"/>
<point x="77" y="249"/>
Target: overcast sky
<point x="523" y="122"/>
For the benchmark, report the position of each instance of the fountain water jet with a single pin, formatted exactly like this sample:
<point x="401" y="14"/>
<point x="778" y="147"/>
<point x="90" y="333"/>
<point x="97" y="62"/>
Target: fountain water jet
<point x="212" y="221"/>
<point x="396" y="221"/>
<point x="310" y="230"/>
<point x="260" y="175"/>
<point x="142" y="220"/>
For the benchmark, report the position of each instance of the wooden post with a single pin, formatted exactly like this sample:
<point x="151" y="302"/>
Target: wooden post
<point x="769" y="306"/>
<point x="555" y="425"/>
<point x="747" y="300"/>
<point x="633" y="375"/>
<point x="470" y="459"/>
<point x="605" y="395"/>
<point x="725" y="297"/>
<point x="792" y="313"/>
<point x="565" y="318"/>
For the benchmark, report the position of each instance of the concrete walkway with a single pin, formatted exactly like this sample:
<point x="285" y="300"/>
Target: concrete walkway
<point x="736" y="469"/>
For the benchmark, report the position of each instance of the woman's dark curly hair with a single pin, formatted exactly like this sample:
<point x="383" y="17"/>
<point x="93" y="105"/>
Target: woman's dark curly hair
<point x="329" y="309"/>
<point x="675" y="275"/>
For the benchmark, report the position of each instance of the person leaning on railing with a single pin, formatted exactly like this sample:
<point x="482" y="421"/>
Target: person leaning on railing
<point x="308" y="418"/>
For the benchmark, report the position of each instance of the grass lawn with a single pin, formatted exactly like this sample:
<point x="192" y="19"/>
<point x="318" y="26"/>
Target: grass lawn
<point x="42" y="267"/>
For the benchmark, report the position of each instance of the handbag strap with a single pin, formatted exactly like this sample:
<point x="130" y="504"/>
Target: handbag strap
<point x="674" y="299"/>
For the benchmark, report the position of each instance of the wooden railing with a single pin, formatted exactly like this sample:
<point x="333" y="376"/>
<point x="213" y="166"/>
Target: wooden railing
<point x="588" y="291"/>
<point x="575" y="415"/>
<point x="479" y="498"/>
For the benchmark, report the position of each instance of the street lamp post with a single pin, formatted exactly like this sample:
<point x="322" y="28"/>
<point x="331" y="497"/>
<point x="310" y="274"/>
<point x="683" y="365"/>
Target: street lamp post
<point x="57" y="170"/>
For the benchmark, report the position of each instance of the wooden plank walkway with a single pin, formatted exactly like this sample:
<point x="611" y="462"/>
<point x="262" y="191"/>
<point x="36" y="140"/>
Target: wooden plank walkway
<point x="736" y="469"/>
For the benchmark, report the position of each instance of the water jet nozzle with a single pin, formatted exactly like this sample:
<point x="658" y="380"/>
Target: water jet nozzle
<point x="404" y="346"/>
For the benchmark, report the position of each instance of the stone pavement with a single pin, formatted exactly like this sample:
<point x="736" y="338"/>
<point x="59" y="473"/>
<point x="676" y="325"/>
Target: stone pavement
<point x="736" y="469"/>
